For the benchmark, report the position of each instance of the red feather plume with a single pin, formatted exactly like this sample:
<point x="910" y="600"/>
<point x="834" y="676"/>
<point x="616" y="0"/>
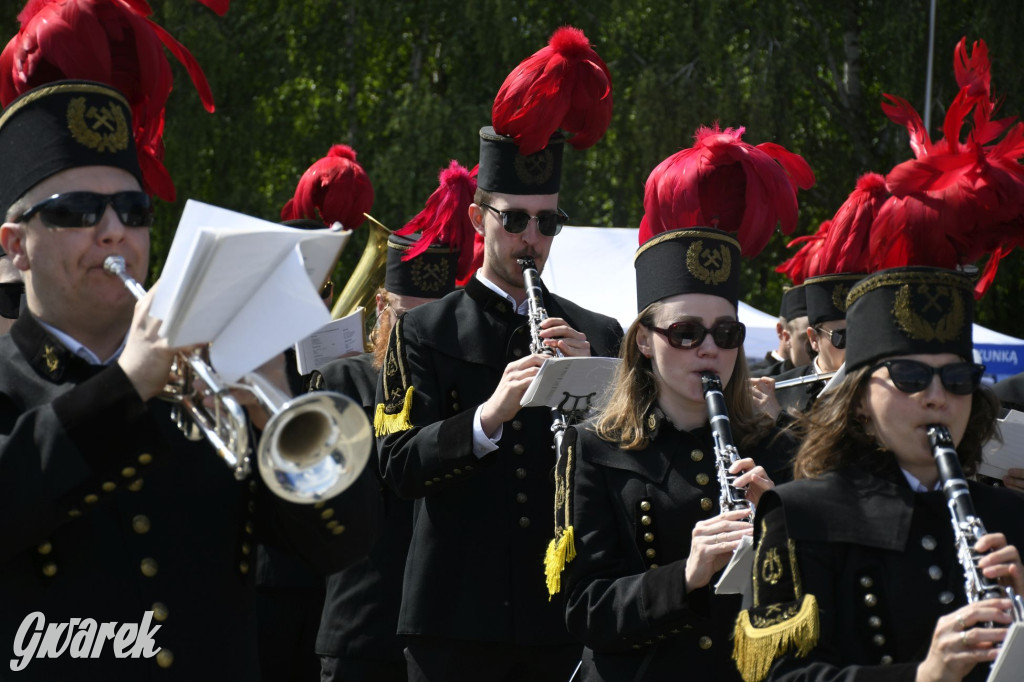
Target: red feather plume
<point x="806" y="262"/>
<point x="109" y="41"/>
<point x="728" y="184"/>
<point x="334" y="189"/>
<point x="445" y="220"/>
<point x="563" y="86"/>
<point x="957" y="200"/>
<point x="847" y="245"/>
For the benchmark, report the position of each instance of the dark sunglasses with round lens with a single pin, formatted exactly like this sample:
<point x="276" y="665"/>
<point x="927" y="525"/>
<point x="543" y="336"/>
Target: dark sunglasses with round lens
<point x="85" y="209"/>
<point x="912" y="376"/>
<point x="837" y="337"/>
<point x="687" y="334"/>
<point x="515" y="220"/>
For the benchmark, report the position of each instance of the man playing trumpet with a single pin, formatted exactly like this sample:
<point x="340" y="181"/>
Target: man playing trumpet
<point x="109" y="514"/>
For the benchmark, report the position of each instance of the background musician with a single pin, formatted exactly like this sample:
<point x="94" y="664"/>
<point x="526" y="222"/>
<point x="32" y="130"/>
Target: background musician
<point x="792" y="332"/>
<point x="290" y="592"/>
<point x="358" y="637"/>
<point x="108" y="511"/>
<point x="860" y="548"/>
<point x="450" y="431"/>
<point x="649" y="531"/>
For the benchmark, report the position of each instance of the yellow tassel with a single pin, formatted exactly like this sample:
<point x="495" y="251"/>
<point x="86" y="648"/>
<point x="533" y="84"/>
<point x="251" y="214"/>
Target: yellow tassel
<point x="384" y="424"/>
<point x="756" y="649"/>
<point x="561" y="550"/>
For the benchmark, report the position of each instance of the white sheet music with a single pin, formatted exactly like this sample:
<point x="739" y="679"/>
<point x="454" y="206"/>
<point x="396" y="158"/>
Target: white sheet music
<point x="996" y="457"/>
<point x="336" y="339"/>
<point x="568" y="383"/>
<point x="242" y="284"/>
<point x="737" y="578"/>
<point x="1009" y="666"/>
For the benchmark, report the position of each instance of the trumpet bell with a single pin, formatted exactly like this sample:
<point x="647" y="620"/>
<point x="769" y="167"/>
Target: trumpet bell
<point x="314" y="447"/>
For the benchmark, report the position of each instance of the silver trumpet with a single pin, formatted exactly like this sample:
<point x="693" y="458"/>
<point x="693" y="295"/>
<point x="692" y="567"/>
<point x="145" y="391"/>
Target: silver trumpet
<point x="313" y="447"/>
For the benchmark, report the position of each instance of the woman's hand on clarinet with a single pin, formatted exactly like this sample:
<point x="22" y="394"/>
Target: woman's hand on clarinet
<point x="1000" y="561"/>
<point x="712" y="543"/>
<point x="755" y="479"/>
<point x="960" y="640"/>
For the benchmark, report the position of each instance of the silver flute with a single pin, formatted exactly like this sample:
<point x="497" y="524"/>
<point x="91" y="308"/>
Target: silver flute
<point x="967" y="527"/>
<point x="730" y="498"/>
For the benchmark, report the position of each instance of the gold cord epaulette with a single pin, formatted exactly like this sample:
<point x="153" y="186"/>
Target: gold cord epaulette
<point x="562" y="548"/>
<point x="756" y="648"/>
<point x="392" y="415"/>
<point x="385" y="424"/>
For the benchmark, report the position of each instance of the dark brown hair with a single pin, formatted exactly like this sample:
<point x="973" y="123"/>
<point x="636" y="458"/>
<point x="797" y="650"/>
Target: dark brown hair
<point x="834" y="436"/>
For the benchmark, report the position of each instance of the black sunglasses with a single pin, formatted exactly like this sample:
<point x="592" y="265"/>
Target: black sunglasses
<point x="837" y="337"/>
<point x="515" y="220"/>
<point x="85" y="209"/>
<point x="687" y="334"/>
<point x="911" y="376"/>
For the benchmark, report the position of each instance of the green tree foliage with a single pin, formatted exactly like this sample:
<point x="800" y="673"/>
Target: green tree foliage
<point x="408" y="83"/>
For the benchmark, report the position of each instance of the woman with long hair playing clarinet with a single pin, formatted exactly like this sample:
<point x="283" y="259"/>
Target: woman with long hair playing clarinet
<point x="856" y="572"/>
<point x="645" y="507"/>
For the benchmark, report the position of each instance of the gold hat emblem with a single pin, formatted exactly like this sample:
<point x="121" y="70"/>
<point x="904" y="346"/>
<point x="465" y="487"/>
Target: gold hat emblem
<point x="943" y="304"/>
<point x="429" y="276"/>
<point x="839" y="294"/>
<point x="711" y="266"/>
<point x="535" y="169"/>
<point x="50" y="358"/>
<point x="102" y="128"/>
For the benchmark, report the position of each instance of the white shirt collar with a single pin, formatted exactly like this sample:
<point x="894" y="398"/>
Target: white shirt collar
<point x="521" y="308"/>
<point x="78" y="349"/>
<point x="915" y="484"/>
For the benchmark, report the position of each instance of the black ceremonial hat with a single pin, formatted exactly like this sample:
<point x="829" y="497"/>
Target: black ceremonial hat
<point x="826" y="296"/>
<point x="794" y="303"/>
<point x="691" y="260"/>
<point x="430" y="274"/>
<point x="62" y="125"/>
<point x="503" y="169"/>
<point x="904" y="311"/>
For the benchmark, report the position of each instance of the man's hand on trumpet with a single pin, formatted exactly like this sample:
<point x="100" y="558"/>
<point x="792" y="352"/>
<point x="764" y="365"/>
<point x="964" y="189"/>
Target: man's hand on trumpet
<point x="146" y="358"/>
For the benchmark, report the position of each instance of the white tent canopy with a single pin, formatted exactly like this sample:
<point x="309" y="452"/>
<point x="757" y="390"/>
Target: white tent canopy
<point x="594" y="268"/>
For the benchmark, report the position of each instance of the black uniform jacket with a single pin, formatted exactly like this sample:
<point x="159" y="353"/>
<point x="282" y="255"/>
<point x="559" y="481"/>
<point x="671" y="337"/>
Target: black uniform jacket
<point x="481" y="525"/>
<point x="107" y="511"/>
<point x="360" y="616"/>
<point x="769" y="366"/>
<point x="880" y="561"/>
<point x="633" y="512"/>
<point x="801" y="397"/>
<point x="1010" y="392"/>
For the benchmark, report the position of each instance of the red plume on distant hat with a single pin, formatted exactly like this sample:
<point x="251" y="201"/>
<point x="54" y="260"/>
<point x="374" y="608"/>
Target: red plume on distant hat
<point x="112" y="42"/>
<point x="445" y="220"/>
<point x="956" y="201"/>
<point x="563" y="86"/>
<point x="334" y="189"/>
<point x="807" y="260"/>
<point x="841" y="243"/>
<point x="728" y="184"/>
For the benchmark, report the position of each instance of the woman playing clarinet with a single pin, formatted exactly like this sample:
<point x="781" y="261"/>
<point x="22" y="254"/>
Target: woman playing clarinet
<point x="650" y="533"/>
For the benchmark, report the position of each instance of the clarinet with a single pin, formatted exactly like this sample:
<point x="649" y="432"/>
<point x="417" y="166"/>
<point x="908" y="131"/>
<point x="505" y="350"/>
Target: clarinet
<point x="730" y="498"/>
<point x="967" y="527"/>
<point x="536" y="315"/>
